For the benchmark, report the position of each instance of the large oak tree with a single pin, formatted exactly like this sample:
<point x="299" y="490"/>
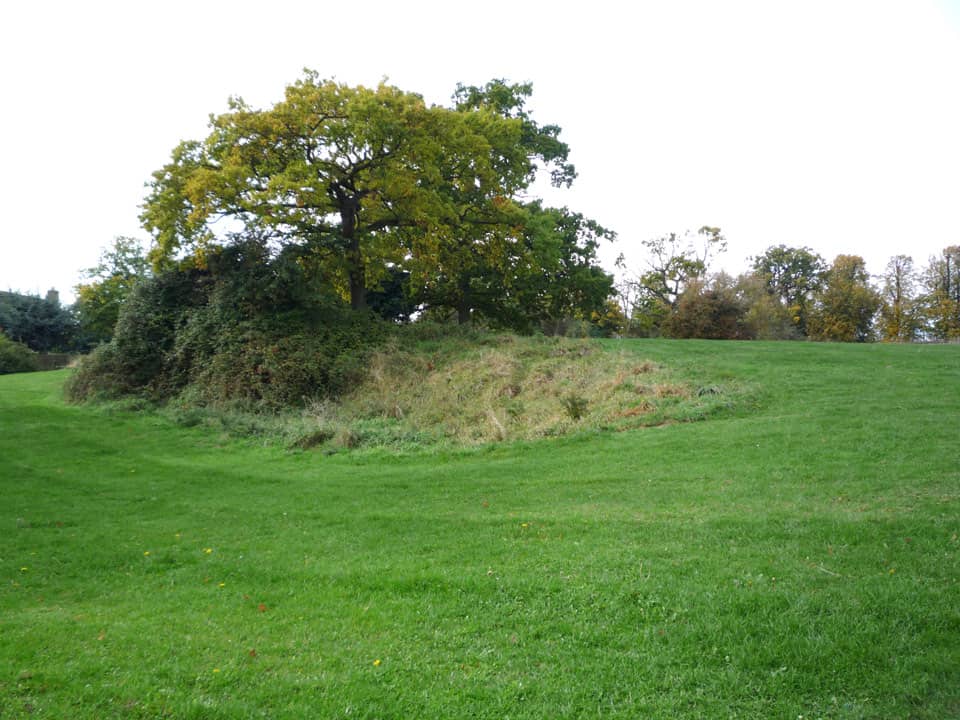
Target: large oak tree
<point x="368" y="180"/>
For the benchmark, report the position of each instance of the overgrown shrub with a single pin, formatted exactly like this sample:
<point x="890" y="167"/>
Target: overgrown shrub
<point x="251" y="329"/>
<point x="274" y="369"/>
<point x="138" y="361"/>
<point x="101" y="374"/>
<point x="16" y="357"/>
<point x="575" y="406"/>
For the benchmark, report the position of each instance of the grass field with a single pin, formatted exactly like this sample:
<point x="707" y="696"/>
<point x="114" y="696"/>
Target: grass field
<point x="797" y="556"/>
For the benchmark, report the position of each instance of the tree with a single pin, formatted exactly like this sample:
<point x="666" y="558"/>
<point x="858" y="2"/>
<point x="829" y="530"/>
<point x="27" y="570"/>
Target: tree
<point x="674" y="262"/>
<point x="366" y="179"/>
<point x="483" y="253"/>
<point x="765" y="315"/>
<point x="793" y="276"/>
<point x="712" y="310"/>
<point x="846" y="305"/>
<point x="550" y="275"/>
<point x="112" y="279"/>
<point x="941" y="299"/>
<point x="564" y="282"/>
<point x="900" y="320"/>
<point x="41" y="324"/>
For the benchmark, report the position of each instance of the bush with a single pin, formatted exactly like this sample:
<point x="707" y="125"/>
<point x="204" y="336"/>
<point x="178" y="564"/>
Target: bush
<point x="138" y="359"/>
<point x="250" y="330"/>
<point x="272" y="369"/>
<point x="16" y="357"/>
<point x="101" y="374"/>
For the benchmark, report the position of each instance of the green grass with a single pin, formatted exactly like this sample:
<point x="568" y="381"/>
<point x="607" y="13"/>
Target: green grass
<point x="797" y="556"/>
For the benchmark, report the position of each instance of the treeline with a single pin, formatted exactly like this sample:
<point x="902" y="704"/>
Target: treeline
<point x="40" y="323"/>
<point x="789" y="293"/>
<point x="31" y="324"/>
<point x="293" y="237"/>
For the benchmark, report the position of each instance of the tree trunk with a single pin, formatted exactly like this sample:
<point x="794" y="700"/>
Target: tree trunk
<point x="358" y="287"/>
<point x="463" y="313"/>
<point x="356" y="270"/>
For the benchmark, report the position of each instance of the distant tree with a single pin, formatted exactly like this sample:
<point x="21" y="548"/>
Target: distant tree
<point x="846" y="304"/>
<point x="900" y="317"/>
<point x="941" y="297"/>
<point x="612" y="321"/>
<point x="765" y="315"/>
<point x="41" y="324"/>
<point x="110" y="283"/>
<point x="712" y="310"/>
<point x="674" y="262"/>
<point x="793" y="276"/>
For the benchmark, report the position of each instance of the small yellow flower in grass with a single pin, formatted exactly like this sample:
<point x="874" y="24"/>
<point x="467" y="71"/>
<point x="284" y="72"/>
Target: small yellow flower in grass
<point x="216" y="670"/>
<point x="24" y="568"/>
<point x="146" y="553"/>
<point x="376" y="663"/>
<point x="177" y="535"/>
<point x="207" y="551"/>
<point x="524" y="525"/>
<point x="892" y="570"/>
<point x="222" y="585"/>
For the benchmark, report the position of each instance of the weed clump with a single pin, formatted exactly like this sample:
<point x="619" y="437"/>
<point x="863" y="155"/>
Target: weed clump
<point x="575" y="406"/>
<point x="346" y="439"/>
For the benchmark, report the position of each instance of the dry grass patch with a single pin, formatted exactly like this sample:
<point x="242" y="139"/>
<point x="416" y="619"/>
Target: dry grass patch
<point x="508" y="388"/>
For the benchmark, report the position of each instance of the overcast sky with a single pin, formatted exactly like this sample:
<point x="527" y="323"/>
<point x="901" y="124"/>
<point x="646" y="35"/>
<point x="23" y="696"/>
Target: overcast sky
<point x="833" y="124"/>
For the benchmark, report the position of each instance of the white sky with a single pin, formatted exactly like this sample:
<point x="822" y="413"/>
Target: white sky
<point x="833" y="124"/>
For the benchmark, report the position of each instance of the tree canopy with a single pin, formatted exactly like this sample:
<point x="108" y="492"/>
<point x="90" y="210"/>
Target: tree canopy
<point x="942" y="294"/>
<point x="675" y="262"/>
<point x="40" y="323"/>
<point x="793" y="276"/>
<point x="109" y="284"/>
<point x="373" y="183"/>
<point x="846" y="305"/>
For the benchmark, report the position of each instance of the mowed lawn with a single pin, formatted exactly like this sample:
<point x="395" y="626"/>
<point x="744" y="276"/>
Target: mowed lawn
<point x="796" y="556"/>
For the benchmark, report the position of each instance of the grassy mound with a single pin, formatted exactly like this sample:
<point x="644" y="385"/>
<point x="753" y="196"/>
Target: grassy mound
<point x="467" y="388"/>
<point x="504" y="387"/>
